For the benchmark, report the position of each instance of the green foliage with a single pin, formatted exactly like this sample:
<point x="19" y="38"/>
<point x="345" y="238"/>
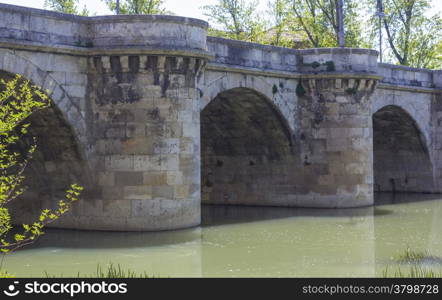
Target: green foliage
<point x="351" y="91"/>
<point x="300" y="90"/>
<point x="5" y="274"/>
<point x="413" y="268"/>
<point x="279" y="33"/>
<point x="316" y="20"/>
<point x="18" y="100"/>
<point x="138" y="7"/>
<point x="236" y="19"/>
<point x="117" y="272"/>
<point x="412" y="256"/>
<point x="66" y="6"/>
<point x="290" y="23"/>
<point x="110" y="272"/>
<point x="414" y="271"/>
<point x="330" y="66"/>
<point x="412" y="34"/>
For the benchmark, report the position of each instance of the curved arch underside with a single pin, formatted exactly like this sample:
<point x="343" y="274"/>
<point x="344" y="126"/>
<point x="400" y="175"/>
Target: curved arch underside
<point x="401" y="159"/>
<point x="246" y="151"/>
<point x="54" y="166"/>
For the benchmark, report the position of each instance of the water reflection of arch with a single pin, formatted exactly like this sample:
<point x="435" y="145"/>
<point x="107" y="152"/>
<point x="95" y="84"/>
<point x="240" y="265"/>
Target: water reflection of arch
<point x="83" y="239"/>
<point x="72" y="252"/>
<point x="288" y="242"/>
<point x="413" y="222"/>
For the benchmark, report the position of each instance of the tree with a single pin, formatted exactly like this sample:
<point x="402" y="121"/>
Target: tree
<point x="18" y="100"/>
<point x="309" y="19"/>
<point x="66" y="6"/>
<point x="412" y="36"/>
<point x="318" y="21"/>
<point x="279" y="12"/>
<point x="237" y="19"/>
<point x="138" y="7"/>
<point x="312" y="21"/>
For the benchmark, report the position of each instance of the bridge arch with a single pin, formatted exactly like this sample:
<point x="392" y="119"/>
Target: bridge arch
<point x="401" y="155"/>
<point x="270" y="88"/>
<point x="419" y="111"/>
<point x="16" y="64"/>
<point x="247" y="151"/>
<point x="59" y="159"/>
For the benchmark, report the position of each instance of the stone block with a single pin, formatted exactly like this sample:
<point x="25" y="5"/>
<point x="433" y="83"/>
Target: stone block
<point x="156" y="178"/>
<point x="116" y="208"/>
<point x="106" y="179"/>
<point x="128" y="178"/>
<point x="191" y="129"/>
<point x="167" y="146"/>
<point x="145" y="208"/>
<point x="174" y="178"/>
<point x="170" y="162"/>
<point x="119" y="163"/>
<point x="75" y="90"/>
<point x="343" y="99"/>
<point x="143" y="192"/>
<point x="147" y="162"/>
<point x="163" y="192"/>
<point x="112" y="193"/>
<point x="135" y="146"/>
<point x="337" y="144"/>
<point x="181" y="191"/>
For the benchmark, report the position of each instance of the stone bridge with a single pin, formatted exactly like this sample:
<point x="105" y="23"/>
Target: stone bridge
<point x="154" y="118"/>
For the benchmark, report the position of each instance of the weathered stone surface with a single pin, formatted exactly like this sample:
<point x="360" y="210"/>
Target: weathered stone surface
<point x="153" y="117"/>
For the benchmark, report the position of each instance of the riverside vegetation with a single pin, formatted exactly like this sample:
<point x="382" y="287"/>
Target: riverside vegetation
<point x="18" y="100"/>
<point x="411" y="265"/>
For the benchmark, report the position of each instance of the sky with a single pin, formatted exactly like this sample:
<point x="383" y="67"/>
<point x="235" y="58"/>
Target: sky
<point x="187" y="8"/>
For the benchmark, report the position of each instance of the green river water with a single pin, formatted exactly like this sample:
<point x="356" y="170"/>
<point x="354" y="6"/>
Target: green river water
<point x="252" y="242"/>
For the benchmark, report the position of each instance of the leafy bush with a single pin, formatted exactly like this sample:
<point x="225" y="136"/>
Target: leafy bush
<point x="18" y="100"/>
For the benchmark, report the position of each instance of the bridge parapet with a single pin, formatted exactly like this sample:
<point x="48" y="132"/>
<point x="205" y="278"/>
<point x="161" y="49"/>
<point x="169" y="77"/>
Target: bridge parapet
<point x="238" y="54"/>
<point x="338" y="60"/>
<point x="437" y="78"/>
<point x="35" y="29"/>
<point x="408" y="76"/>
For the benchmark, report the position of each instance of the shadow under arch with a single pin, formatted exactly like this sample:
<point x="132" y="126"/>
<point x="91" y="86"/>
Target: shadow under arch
<point x="18" y="64"/>
<point x="57" y="162"/>
<point x="401" y="159"/>
<point x="247" y="151"/>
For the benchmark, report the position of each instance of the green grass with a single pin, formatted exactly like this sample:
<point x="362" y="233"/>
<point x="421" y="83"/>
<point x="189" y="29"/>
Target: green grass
<point x="5" y="274"/>
<point x="111" y="271"/>
<point x="412" y="256"/>
<point x="118" y="272"/>
<point x="415" y="271"/>
<point x="411" y="265"/>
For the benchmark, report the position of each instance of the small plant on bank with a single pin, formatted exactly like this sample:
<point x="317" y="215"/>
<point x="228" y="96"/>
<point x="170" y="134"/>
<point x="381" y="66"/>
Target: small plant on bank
<point x="411" y="265"/>
<point x="111" y="271"/>
<point x="414" y="271"/>
<point x="18" y="100"/>
<point x="412" y="256"/>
